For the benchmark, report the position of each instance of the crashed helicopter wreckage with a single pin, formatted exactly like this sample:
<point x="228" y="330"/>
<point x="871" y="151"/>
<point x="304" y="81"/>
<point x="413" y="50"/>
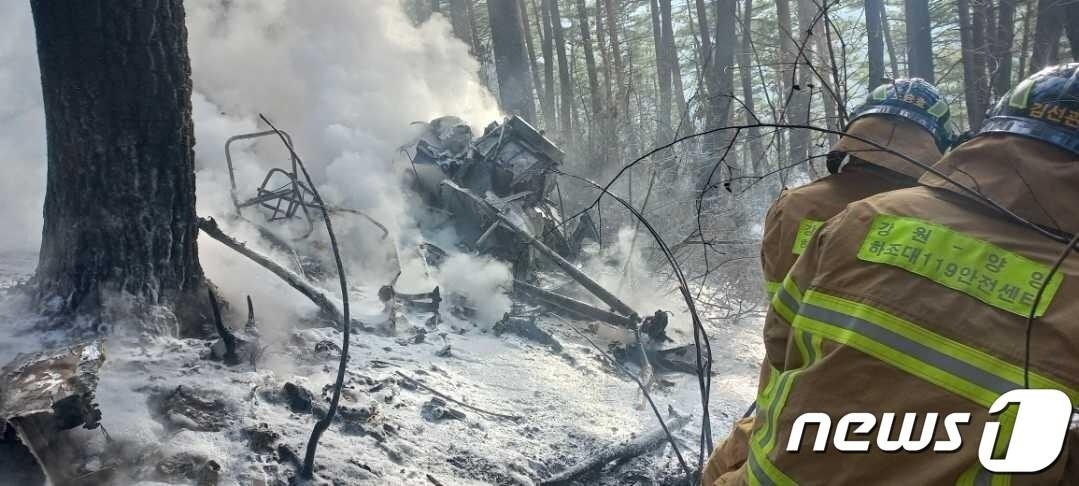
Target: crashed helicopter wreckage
<point x="492" y="190"/>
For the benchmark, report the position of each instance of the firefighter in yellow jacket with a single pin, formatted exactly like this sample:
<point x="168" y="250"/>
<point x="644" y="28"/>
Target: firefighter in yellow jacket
<point x="917" y="302"/>
<point x="907" y="116"/>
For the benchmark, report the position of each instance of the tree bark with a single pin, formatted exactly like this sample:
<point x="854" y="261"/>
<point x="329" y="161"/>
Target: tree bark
<point x="461" y="20"/>
<point x="593" y="75"/>
<point x="532" y="63"/>
<point x="974" y="84"/>
<point x="550" y="113"/>
<point x="1047" y="30"/>
<point x="119" y="210"/>
<point x="756" y="147"/>
<point x="1071" y="27"/>
<point x="893" y="58"/>
<point x="875" y="33"/>
<point x="919" y="40"/>
<point x="1002" y="47"/>
<point x="663" y="75"/>
<point x="707" y="55"/>
<point x="675" y="66"/>
<point x="612" y="11"/>
<point x="1024" y="48"/>
<point x="511" y="59"/>
<point x="565" y="81"/>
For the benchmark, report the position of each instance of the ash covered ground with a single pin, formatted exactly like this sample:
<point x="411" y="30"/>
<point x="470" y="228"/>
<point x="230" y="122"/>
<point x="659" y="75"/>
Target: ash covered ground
<point x="168" y="411"/>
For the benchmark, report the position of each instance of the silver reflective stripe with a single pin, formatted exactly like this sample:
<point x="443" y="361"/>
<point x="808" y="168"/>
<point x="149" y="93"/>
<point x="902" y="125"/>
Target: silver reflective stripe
<point x="925" y="354"/>
<point x="787" y="299"/>
<point x="758" y="472"/>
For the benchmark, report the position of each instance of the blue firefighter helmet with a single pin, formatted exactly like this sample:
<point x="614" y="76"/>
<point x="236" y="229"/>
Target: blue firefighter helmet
<point x="912" y="99"/>
<point x="1045" y="107"/>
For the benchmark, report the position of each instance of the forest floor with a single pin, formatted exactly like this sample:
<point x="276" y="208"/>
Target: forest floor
<point x="168" y="410"/>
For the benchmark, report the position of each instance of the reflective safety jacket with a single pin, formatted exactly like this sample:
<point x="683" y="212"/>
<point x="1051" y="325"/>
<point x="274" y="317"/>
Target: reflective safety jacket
<point x="799" y="212"/>
<point x="916" y="301"/>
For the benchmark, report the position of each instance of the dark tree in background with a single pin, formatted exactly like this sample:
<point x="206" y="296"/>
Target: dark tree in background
<point x="511" y="59"/>
<point x="120" y="196"/>
<point x="875" y="33"/>
<point x="919" y="40"/>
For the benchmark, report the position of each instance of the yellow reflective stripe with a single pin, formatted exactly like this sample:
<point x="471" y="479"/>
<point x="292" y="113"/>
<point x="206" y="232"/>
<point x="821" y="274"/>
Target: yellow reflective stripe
<point x="969" y="372"/>
<point x="771" y="288"/>
<point x="998" y="277"/>
<point x="1021" y="94"/>
<point x="806" y="229"/>
<point x="939" y="109"/>
<point x="763" y="472"/>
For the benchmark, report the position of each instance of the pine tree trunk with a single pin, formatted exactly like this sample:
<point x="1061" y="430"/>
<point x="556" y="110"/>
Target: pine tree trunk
<point x="973" y="65"/>
<point x="675" y="66"/>
<point x="119" y="210"/>
<point x="875" y="34"/>
<point x="532" y="63"/>
<point x="1002" y="47"/>
<point x="511" y="59"/>
<point x="756" y="147"/>
<point x="800" y="96"/>
<point x="549" y="100"/>
<point x="565" y="81"/>
<point x="1071" y="27"/>
<point x="1047" y="30"/>
<point x="593" y="75"/>
<point x="711" y="81"/>
<point x="893" y="57"/>
<point x="461" y="20"/>
<point x="919" y="40"/>
<point x="1024" y="48"/>
<point x="663" y="75"/>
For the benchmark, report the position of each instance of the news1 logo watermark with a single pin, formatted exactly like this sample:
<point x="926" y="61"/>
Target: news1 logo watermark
<point x="1036" y="441"/>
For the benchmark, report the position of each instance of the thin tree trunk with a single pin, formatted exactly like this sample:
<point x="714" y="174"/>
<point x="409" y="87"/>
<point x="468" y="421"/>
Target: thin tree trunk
<point x="1071" y="27"/>
<point x="612" y="11"/>
<point x="1024" y="49"/>
<point x="663" y="74"/>
<point x="756" y="147"/>
<point x="874" y="31"/>
<point x="533" y="64"/>
<point x="973" y="66"/>
<point x="543" y="19"/>
<point x="119" y="211"/>
<point x="801" y="93"/>
<point x="593" y="74"/>
<point x="565" y="81"/>
<point x="1002" y="47"/>
<point x="711" y="80"/>
<point x="919" y="40"/>
<point x="893" y="57"/>
<point x="675" y="66"/>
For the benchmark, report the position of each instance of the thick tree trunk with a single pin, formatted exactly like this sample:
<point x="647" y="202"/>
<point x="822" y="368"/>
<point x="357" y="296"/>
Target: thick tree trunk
<point x="120" y="195"/>
<point x="663" y="75"/>
<point x="550" y="113"/>
<point x="1002" y="47"/>
<point x="919" y="40"/>
<point x="611" y="8"/>
<point x="1047" y="30"/>
<point x="800" y="95"/>
<point x="873" y="27"/>
<point x="511" y="59"/>
<point x="565" y="81"/>
<point x="532" y="63"/>
<point x="461" y="20"/>
<point x="974" y="86"/>
<point x="711" y="79"/>
<point x="1071" y="27"/>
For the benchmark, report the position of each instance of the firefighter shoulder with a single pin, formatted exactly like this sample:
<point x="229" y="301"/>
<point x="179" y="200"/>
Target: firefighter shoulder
<point x="916" y="301"/>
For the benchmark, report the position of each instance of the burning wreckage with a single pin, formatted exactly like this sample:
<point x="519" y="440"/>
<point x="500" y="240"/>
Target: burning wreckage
<point x="493" y="190"/>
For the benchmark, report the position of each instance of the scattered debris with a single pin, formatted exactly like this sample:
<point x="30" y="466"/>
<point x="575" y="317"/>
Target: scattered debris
<point x="44" y="394"/>
<point x="627" y="450"/>
<point x="527" y="329"/>
<point x="298" y="398"/>
<point x="450" y="399"/>
<point x="194" y="409"/>
<point x="437" y="409"/>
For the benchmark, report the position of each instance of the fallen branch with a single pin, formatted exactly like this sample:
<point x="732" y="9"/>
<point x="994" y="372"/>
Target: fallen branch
<point x="209" y="227"/>
<point x="627" y="450"/>
<point x="451" y="399"/>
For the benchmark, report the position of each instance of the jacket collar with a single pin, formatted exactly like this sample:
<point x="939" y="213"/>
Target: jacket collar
<point x="1036" y="180"/>
<point x="894" y="134"/>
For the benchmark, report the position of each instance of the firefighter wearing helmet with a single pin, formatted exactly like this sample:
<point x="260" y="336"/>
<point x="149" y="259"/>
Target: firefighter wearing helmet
<point x="921" y="301"/>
